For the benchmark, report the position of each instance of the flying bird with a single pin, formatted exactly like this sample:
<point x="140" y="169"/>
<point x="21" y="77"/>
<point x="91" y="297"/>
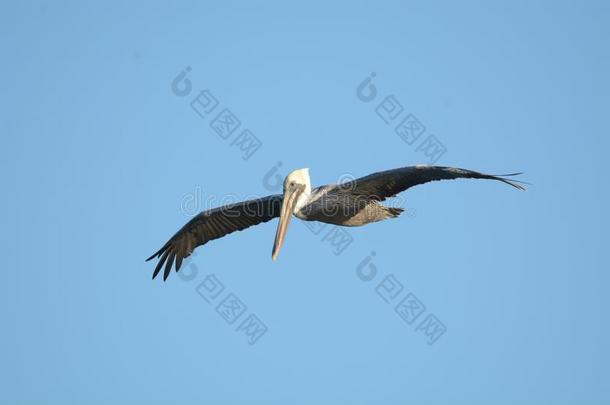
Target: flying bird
<point x="353" y="203"/>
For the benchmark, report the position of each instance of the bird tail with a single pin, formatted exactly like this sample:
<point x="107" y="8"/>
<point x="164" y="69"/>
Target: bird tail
<point x="392" y="212"/>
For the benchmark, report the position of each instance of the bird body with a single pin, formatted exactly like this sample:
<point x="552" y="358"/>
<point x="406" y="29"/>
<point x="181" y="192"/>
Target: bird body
<point x="354" y="203"/>
<point x="333" y="205"/>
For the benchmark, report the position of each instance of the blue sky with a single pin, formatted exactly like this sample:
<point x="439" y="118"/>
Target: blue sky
<point x="103" y="159"/>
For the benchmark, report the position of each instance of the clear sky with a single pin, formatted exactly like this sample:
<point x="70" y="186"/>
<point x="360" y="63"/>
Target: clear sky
<point x="478" y="293"/>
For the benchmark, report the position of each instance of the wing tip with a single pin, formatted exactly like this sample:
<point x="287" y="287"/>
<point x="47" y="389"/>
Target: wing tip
<point x="171" y="257"/>
<point x="518" y="184"/>
<point x="157" y="253"/>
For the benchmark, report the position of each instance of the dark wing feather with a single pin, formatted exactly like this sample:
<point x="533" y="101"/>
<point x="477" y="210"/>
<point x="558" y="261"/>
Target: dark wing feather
<point x="214" y="224"/>
<point x="382" y="185"/>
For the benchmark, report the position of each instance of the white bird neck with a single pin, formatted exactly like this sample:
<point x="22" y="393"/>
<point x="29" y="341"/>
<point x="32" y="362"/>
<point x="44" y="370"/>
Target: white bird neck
<point x="303" y="198"/>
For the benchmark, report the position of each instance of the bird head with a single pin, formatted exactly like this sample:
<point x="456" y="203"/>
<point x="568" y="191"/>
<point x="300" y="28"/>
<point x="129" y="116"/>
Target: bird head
<point x="299" y="177"/>
<point x="297" y="187"/>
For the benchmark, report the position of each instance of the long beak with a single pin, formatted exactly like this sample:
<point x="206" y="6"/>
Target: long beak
<point x="290" y="199"/>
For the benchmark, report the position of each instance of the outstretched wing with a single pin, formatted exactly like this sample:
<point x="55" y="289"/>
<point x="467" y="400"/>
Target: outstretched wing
<point x="382" y="185"/>
<point x="214" y="224"/>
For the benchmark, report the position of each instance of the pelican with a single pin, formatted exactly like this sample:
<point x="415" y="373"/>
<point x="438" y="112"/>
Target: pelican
<point x="354" y="203"/>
